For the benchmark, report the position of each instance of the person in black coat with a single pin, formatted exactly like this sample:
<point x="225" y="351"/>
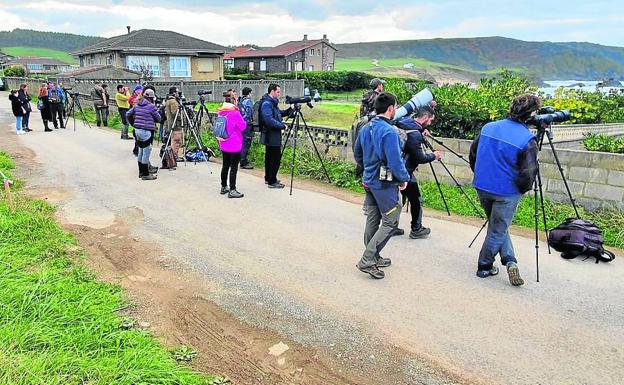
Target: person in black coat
<point x="415" y="128"/>
<point x="44" y="106"/>
<point x="25" y="99"/>
<point x="18" y="111"/>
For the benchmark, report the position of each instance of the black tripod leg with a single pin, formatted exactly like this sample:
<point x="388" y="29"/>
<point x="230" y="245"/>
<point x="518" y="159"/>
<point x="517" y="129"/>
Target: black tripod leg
<point x="435" y="177"/>
<point x="536" y="213"/>
<point x="479" y="232"/>
<point x="318" y="155"/>
<point x="541" y="195"/>
<point x="565" y="182"/>
<point x="292" y="163"/>
<point x="462" y="191"/>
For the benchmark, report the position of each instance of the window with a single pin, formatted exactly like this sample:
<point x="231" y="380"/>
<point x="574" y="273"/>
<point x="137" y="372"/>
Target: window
<point x="228" y="63"/>
<point x="179" y="67"/>
<point x="262" y="65"/>
<point x="289" y="66"/>
<point x="298" y="66"/>
<point x="310" y="68"/>
<point x="151" y="63"/>
<point x="34" y="67"/>
<point x="312" y="52"/>
<point x="251" y="66"/>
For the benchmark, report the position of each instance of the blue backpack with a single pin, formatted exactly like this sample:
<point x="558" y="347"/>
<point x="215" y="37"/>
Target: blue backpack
<point x="219" y="129"/>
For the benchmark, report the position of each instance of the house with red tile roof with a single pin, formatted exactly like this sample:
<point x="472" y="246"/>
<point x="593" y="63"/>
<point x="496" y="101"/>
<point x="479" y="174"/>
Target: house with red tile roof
<point x="297" y="55"/>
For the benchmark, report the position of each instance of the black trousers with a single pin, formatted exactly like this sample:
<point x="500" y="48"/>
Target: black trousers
<point x="56" y="112"/>
<point x="412" y="194"/>
<point x="230" y="163"/>
<point x="272" y="159"/>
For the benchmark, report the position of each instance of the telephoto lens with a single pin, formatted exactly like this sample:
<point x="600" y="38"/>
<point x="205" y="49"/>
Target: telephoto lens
<point x="419" y="100"/>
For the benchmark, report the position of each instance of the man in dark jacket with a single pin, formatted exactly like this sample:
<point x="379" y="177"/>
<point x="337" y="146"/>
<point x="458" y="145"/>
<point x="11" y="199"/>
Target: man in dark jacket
<point x="271" y="127"/>
<point x="415" y="128"/>
<point x="367" y="107"/>
<point x="504" y="160"/>
<point x="378" y="152"/>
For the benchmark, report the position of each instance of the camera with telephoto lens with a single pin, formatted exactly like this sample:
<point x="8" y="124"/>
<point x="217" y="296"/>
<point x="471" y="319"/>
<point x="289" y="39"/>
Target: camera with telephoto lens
<point x="385" y="174"/>
<point x="204" y="92"/>
<point x="548" y="115"/>
<point x="421" y="99"/>
<point x="67" y="88"/>
<point x="298" y="100"/>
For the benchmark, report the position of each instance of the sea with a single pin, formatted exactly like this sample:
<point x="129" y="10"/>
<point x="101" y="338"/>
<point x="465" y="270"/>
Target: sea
<point x="588" y="85"/>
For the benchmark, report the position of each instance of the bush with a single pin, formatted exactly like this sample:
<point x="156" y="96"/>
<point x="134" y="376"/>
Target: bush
<point x="603" y="143"/>
<point x="17" y="71"/>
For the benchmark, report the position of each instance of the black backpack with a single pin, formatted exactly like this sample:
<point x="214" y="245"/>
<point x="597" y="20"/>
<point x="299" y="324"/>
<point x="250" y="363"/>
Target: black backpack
<point x="576" y="237"/>
<point x="256" y="116"/>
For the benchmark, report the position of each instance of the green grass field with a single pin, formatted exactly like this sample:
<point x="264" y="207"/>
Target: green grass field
<point x="366" y="65"/>
<point x="40" y="52"/>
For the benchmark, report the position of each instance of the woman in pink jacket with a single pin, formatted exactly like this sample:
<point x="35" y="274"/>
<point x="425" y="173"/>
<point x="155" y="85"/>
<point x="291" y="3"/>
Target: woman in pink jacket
<point x="232" y="146"/>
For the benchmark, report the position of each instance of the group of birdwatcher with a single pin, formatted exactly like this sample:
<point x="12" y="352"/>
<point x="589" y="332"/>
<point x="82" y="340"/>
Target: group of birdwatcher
<point x="387" y="152"/>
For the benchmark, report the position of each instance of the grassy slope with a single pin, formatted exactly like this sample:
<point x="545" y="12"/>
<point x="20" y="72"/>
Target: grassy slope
<point x="40" y="52"/>
<point x="59" y="324"/>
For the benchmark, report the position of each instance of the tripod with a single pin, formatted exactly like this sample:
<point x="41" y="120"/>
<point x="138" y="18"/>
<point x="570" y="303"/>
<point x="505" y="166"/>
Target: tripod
<point x="203" y="110"/>
<point x="543" y="131"/>
<point x="75" y="102"/>
<point x="293" y="130"/>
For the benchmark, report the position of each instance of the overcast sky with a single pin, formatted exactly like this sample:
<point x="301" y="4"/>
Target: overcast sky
<point x="271" y="22"/>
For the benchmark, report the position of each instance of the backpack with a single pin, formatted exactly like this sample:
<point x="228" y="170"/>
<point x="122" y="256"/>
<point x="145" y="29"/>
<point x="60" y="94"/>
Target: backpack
<point x="256" y="116"/>
<point x="355" y="129"/>
<point x="40" y="105"/>
<point x="219" y="128"/>
<point x="54" y="97"/>
<point x="168" y="159"/>
<point x="576" y="237"/>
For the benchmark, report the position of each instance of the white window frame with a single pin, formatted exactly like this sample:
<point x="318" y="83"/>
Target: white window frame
<point x="177" y="72"/>
<point x="152" y="62"/>
<point x="311" y="51"/>
<point x="252" y="66"/>
<point x="263" y="65"/>
<point x="289" y="66"/>
<point x="310" y="67"/>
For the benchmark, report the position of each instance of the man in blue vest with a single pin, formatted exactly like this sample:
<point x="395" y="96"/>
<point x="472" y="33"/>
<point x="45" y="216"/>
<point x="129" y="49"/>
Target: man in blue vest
<point x="378" y="152"/>
<point x="504" y="160"/>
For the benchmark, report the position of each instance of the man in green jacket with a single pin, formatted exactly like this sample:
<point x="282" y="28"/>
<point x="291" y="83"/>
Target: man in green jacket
<point x="123" y="105"/>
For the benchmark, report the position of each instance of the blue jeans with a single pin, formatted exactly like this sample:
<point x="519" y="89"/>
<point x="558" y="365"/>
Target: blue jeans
<point x="18" y="123"/>
<point x="500" y="211"/>
<point x="144" y="154"/>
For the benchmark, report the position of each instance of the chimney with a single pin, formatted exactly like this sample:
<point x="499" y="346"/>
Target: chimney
<point x="305" y="37"/>
<point x="127" y="26"/>
<point x="324" y="36"/>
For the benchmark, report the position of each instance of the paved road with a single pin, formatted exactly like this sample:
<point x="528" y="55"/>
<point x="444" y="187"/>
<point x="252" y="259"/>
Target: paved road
<point x="287" y="263"/>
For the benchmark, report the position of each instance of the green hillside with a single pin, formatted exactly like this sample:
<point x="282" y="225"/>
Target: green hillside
<point x="39" y="52"/>
<point x="546" y="60"/>
<point x="66" y="42"/>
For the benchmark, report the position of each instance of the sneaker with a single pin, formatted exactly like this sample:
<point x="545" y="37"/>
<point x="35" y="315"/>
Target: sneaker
<point x="373" y="271"/>
<point x="235" y="194"/>
<point x="224" y="190"/>
<point x="247" y="166"/>
<point x="397" y="232"/>
<point x="278" y="181"/>
<point x="514" y="274"/>
<point x="20" y="132"/>
<point x="149" y="177"/>
<point x="487" y="273"/>
<point x="420" y="233"/>
<point x="276" y="185"/>
<point x="47" y="130"/>
<point x="152" y="169"/>
<point x="26" y="129"/>
<point x="384" y="262"/>
<point x="180" y="159"/>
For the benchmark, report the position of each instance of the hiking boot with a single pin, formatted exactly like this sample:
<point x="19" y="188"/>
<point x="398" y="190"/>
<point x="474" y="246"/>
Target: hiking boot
<point x="514" y="274"/>
<point x="384" y="262"/>
<point x="152" y="169"/>
<point x="235" y="194"/>
<point x="276" y="185"/>
<point x="373" y="271"/>
<point x="420" y="233"/>
<point x="26" y="129"/>
<point x="397" y="232"/>
<point x="278" y="181"/>
<point x="47" y="130"/>
<point x="224" y="190"/>
<point x="247" y="166"/>
<point x="149" y="177"/>
<point x="487" y="273"/>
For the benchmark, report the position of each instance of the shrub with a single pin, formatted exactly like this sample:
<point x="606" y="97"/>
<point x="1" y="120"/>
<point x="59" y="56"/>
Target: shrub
<point x="15" y="70"/>
<point x="603" y="143"/>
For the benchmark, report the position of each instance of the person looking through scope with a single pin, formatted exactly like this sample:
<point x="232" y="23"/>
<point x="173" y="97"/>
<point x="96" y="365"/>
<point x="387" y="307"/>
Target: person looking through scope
<point x="415" y="128"/>
<point x="271" y="127"/>
<point x="173" y="126"/>
<point x="378" y="152"/>
<point x="504" y="161"/>
<point x="144" y="116"/>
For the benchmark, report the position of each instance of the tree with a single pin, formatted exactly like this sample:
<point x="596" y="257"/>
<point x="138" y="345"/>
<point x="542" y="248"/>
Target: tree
<point x="15" y="70"/>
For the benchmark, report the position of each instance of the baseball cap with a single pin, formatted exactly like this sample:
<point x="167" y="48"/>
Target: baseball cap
<point x="376" y="82"/>
<point x="149" y="93"/>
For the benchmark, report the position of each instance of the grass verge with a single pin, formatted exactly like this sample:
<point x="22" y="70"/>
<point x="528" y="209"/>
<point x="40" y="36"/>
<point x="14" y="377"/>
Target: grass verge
<point x="59" y="324"/>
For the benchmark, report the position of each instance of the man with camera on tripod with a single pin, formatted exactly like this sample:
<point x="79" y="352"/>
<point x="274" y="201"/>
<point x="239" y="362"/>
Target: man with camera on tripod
<point x="378" y="152"/>
<point x="173" y="126"/>
<point x="504" y="160"/>
<point x="271" y="127"/>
